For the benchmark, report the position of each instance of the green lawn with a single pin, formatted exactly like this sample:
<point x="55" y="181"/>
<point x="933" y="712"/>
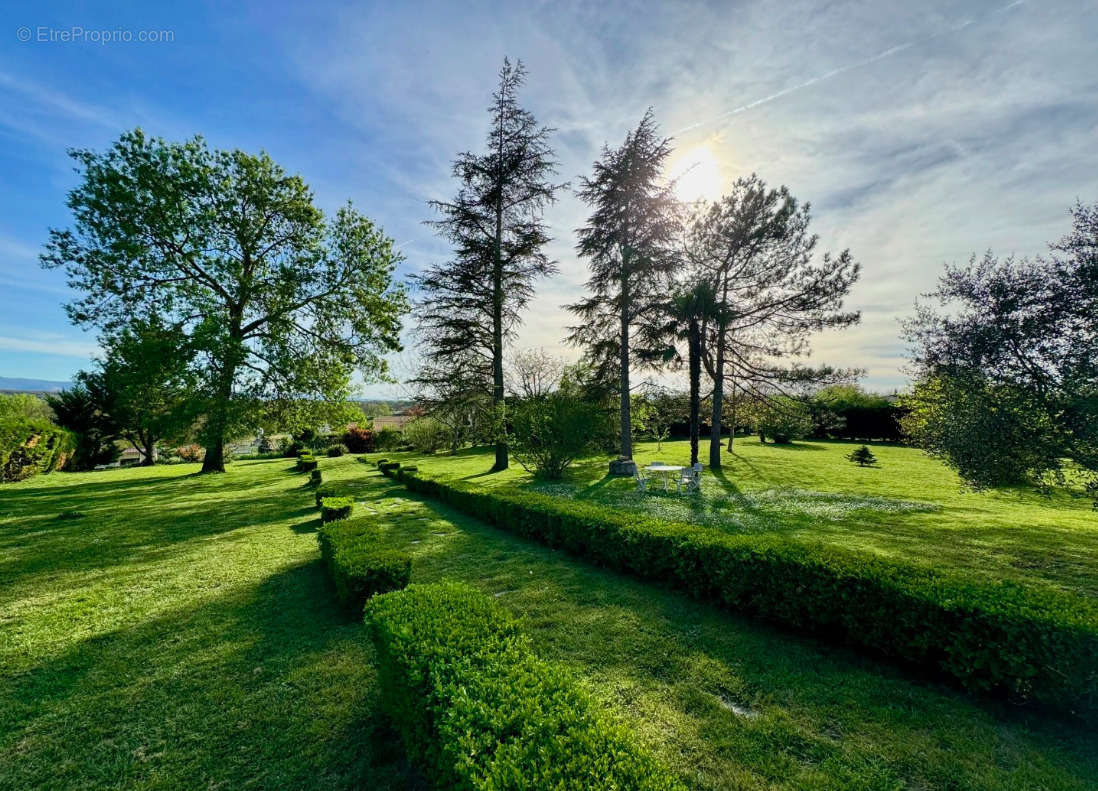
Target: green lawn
<point x="182" y="635"/>
<point x="179" y="636"/>
<point x="909" y="506"/>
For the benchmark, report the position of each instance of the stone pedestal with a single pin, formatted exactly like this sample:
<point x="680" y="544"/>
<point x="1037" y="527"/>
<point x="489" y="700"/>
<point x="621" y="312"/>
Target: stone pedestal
<point x="623" y="467"/>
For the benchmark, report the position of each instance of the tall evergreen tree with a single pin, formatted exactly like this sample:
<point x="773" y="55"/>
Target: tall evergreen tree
<point x="627" y="242"/>
<point x="474" y="302"/>
<point x="754" y="246"/>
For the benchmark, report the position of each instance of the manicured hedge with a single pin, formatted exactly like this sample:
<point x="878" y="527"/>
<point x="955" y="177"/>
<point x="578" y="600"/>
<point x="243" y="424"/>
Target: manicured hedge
<point x="307" y="463"/>
<point x="29" y="446"/>
<point x="1029" y="643"/>
<point x="388" y="468"/>
<point x="326" y="490"/>
<point x="360" y="568"/>
<point x="477" y="710"/>
<point x="333" y="508"/>
<point x="315" y="478"/>
<point x="409" y="469"/>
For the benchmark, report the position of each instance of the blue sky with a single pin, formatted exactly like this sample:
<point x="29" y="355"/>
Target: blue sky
<point x="920" y="132"/>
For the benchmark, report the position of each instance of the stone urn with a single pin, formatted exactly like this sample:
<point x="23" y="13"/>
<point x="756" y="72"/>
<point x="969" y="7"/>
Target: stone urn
<point x="623" y="467"/>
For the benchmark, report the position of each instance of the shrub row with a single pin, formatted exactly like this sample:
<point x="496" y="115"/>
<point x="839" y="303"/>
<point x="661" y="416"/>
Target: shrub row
<point x="335" y="508"/>
<point x="1029" y="643"/>
<point x="477" y="710"/>
<point x="359" y="566"/>
<point x="388" y="468"/>
<point x="29" y="446"/>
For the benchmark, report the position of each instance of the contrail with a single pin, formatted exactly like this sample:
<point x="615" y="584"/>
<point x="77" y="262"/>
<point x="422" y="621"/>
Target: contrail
<point x="841" y="69"/>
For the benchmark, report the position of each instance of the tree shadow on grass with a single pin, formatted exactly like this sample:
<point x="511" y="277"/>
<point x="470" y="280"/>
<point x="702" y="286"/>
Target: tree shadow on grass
<point x="138" y="524"/>
<point x="269" y="686"/>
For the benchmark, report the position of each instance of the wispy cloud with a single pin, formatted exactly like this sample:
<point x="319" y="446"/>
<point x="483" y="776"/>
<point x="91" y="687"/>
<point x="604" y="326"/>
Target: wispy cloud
<point x="50" y="344"/>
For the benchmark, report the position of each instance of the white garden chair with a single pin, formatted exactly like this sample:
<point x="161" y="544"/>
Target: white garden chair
<point x="690" y="479"/>
<point x="642" y="481"/>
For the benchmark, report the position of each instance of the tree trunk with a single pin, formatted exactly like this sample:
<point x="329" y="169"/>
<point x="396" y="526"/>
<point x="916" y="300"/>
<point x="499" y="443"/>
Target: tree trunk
<point x="718" y="399"/>
<point x="626" y="422"/>
<point x="214" y="460"/>
<point x="497" y="340"/>
<point x="732" y="416"/>
<point x="694" y="352"/>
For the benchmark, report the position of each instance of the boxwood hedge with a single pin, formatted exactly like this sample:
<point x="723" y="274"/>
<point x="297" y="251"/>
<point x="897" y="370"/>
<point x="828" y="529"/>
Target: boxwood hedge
<point x="359" y="567"/>
<point x="334" y="508"/>
<point x="477" y="710"/>
<point x="389" y="468"/>
<point x="1028" y="643"/>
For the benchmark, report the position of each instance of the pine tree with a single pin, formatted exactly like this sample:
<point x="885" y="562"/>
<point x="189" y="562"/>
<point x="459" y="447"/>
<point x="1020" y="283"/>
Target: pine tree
<point x="862" y="456"/>
<point x="473" y="303"/>
<point x="754" y="246"/>
<point x="627" y="242"/>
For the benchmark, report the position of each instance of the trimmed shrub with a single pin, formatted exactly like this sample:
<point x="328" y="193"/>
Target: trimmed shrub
<point x="315" y="478"/>
<point x="359" y="567"/>
<point x="380" y="461"/>
<point x="409" y="469"/>
<point x="389" y="468"/>
<point x="307" y="463"/>
<point x="336" y="450"/>
<point x="1032" y="644"/>
<point x="477" y="710"/>
<point x="326" y="490"/>
<point x="334" y="508"/>
<point x="29" y="446"/>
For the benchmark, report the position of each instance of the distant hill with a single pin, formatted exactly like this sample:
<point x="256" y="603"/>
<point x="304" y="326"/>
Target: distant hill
<point x="11" y="383"/>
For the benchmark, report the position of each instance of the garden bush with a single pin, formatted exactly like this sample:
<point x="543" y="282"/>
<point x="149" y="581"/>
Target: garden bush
<point x="336" y="450"/>
<point x="1032" y="644"/>
<point x="359" y="566"/>
<point x="550" y="432"/>
<point x="191" y="453"/>
<point x="476" y="709"/>
<point x="29" y="446"/>
<point x="326" y="490"/>
<point x="426" y="434"/>
<point x="389" y="468"/>
<point x="388" y="439"/>
<point x="359" y="440"/>
<point x="307" y="463"/>
<point x="315" y="478"/>
<point x="334" y="508"/>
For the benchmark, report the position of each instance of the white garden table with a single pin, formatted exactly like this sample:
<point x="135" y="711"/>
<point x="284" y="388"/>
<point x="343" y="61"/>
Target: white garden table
<point x="665" y="470"/>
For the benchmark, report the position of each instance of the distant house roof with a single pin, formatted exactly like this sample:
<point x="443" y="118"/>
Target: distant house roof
<point x="392" y="421"/>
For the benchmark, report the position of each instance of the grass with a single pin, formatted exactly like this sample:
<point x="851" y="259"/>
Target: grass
<point x="182" y="635"/>
<point x="909" y="507"/>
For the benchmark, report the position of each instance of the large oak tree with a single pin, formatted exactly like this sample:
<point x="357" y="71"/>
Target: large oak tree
<point x="276" y="299"/>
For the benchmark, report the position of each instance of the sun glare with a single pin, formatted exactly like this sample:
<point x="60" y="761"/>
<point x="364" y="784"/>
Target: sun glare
<point x="697" y="175"/>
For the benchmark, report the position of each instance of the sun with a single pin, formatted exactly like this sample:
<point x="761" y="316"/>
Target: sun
<point x="697" y="175"/>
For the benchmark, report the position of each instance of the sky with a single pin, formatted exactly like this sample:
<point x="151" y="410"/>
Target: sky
<point x="920" y="133"/>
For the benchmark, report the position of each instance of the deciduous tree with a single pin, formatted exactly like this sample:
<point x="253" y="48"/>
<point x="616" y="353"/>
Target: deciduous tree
<point x="275" y="299"/>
